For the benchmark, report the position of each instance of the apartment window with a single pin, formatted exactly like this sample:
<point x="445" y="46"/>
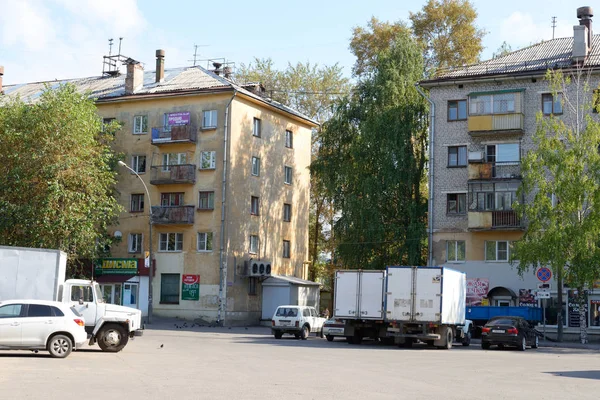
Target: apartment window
<point x="137" y="202"/>
<point x="206" y="201"/>
<point x="173" y="159"/>
<point x="289" y="139"/>
<point x="138" y="164"/>
<point x="140" y="124"/>
<point x="169" y="288"/>
<point x="503" y="153"/>
<point x="135" y="243"/>
<point x="256" y="127"/>
<point x="205" y="241"/>
<point x="106" y="122"/>
<point x="552" y="104"/>
<point x="254" y="205"/>
<point x="171" y="242"/>
<point x="456" y="203"/>
<point x="287" y="212"/>
<point x="457" y="110"/>
<point x="455" y="251"/>
<point x="457" y="156"/>
<point x="288" y="175"/>
<point x="208" y="159"/>
<point x="209" y="119"/>
<point x="497" y="103"/>
<point x="497" y="250"/>
<point x="255" y="166"/>
<point x="286" y="249"/>
<point x="253" y="244"/>
<point x="493" y="196"/>
<point x="171" y="199"/>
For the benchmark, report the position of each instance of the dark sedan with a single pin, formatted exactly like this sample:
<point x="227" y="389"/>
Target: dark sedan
<point x="509" y="331"/>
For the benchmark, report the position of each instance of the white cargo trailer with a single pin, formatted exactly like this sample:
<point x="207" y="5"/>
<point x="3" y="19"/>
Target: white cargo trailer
<point x="425" y="303"/>
<point x="39" y="274"/>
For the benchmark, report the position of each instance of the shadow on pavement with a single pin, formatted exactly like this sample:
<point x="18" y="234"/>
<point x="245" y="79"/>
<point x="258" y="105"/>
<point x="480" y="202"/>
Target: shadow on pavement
<point x="577" y="374"/>
<point x="10" y="354"/>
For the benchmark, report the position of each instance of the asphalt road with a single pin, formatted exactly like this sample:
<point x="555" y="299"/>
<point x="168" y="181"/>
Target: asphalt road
<point x="240" y="363"/>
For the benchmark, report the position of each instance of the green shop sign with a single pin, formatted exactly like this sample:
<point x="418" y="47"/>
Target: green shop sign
<point x="116" y="266"/>
<point x="190" y="287"/>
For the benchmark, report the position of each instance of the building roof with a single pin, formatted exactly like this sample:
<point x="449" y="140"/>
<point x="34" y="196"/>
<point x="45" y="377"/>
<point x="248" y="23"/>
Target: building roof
<point x="289" y="279"/>
<point x="537" y="58"/>
<point x="176" y="80"/>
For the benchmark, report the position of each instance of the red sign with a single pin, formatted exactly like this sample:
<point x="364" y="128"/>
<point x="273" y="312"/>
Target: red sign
<point x="191" y="279"/>
<point x="544" y="274"/>
<point x="477" y="289"/>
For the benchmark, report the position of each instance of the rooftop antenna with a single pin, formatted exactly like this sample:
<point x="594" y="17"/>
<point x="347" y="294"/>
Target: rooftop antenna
<point x="195" y="60"/>
<point x="110" y="66"/>
<point x="110" y="43"/>
<point x="553" y="26"/>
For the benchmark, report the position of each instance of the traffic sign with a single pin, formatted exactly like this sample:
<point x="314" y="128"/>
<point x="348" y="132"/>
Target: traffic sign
<point x="544" y="274"/>
<point x="544" y="286"/>
<point x="542" y="295"/>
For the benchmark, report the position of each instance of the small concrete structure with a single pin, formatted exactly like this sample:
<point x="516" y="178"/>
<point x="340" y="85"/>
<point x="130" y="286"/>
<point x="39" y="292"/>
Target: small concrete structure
<point x="281" y="290"/>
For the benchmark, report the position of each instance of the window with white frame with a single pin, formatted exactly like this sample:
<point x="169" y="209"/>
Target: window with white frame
<point x="497" y="250"/>
<point x="289" y="139"/>
<point x="138" y="164"/>
<point x="287" y="212"/>
<point x="205" y="241"/>
<point x="206" y="200"/>
<point x="286" y="249"/>
<point x="170" y="242"/>
<point x="254" y="205"/>
<point x="137" y="202"/>
<point x="288" y="175"/>
<point x="255" y="166"/>
<point x="135" y="243"/>
<point x="140" y="124"/>
<point x="256" y="127"/>
<point x="208" y="159"/>
<point x="209" y="119"/>
<point x="455" y="251"/>
<point x="495" y="103"/>
<point x="253" y="244"/>
<point x="173" y="159"/>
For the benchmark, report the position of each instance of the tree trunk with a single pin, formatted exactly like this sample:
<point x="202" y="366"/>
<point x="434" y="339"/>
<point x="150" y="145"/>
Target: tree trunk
<point x="582" y="302"/>
<point x="559" y="324"/>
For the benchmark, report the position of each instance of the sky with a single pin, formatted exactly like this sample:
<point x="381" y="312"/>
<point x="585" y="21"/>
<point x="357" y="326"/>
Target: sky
<point x="43" y="40"/>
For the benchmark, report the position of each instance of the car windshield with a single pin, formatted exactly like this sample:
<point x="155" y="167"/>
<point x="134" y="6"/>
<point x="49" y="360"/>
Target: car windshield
<point x="286" y="312"/>
<point x="502" y="321"/>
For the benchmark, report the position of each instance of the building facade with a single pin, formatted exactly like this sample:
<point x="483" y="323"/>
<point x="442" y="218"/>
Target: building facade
<point x="227" y="174"/>
<point x="483" y="124"/>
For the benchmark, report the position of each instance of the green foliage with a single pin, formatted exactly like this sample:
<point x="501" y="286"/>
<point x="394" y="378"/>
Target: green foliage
<point x="58" y="177"/>
<point x="372" y="162"/>
<point x="503" y="50"/>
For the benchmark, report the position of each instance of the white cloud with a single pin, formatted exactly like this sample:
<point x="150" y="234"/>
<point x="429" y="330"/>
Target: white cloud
<point x="25" y="24"/>
<point x="520" y="30"/>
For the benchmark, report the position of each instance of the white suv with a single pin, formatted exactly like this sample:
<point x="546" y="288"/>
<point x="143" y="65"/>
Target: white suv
<point x="41" y="325"/>
<point x="299" y="321"/>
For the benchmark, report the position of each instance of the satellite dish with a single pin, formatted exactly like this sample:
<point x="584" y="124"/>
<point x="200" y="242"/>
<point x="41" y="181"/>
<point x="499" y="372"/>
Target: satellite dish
<point x="118" y="234"/>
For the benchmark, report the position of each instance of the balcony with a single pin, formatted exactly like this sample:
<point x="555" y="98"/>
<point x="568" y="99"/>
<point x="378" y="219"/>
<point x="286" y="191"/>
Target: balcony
<point x="173" y="174"/>
<point x="174" y="134"/>
<point x="497" y="170"/>
<point x="495" y="123"/>
<point x="173" y="215"/>
<point x="494" y="220"/>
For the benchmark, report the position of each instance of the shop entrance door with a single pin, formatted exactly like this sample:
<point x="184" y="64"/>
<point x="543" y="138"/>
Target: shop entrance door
<point x="130" y="295"/>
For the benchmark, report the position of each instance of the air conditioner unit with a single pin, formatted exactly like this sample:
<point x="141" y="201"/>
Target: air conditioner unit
<point x="475" y="156"/>
<point x="259" y="268"/>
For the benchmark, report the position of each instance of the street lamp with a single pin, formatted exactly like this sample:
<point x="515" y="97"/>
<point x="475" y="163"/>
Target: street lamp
<point x="122" y="164"/>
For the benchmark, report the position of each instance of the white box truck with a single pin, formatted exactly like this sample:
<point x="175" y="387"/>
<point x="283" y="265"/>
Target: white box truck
<point x="39" y="274"/>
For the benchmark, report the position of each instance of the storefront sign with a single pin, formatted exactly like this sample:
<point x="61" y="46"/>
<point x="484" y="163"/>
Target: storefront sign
<point x="179" y="118"/>
<point x="477" y="289"/>
<point x="190" y="287"/>
<point x="116" y="266"/>
<point x="573" y="308"/>
<point x="527" y="298"/>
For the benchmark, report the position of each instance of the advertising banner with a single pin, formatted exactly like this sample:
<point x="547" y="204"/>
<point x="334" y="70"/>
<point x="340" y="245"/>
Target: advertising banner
<point x="179" y="118"/>
<point x="527" y="298"/>
<point x="116" y="266"/>
<point x="190" y="287"/>
<point x="477" y="289"/>
<point x="573" y="308"/>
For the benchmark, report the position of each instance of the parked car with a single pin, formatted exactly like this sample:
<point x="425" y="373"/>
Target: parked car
<point x="299" y="321"/>
<point x="41" y="325"/>
<point x="509" y="331"/>
<point x="333" y="327"/>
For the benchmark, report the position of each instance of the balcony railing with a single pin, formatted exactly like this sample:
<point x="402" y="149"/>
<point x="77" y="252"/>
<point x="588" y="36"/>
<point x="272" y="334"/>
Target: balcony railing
<point x="169" y="174"/>
<point x="168" y="215"/>
<point x="490" y="123"/>
<point x="497" y="170"/>
<point x="505" y="219"/>
<point x="174" y="134"/>
<point x="480" y="220"/>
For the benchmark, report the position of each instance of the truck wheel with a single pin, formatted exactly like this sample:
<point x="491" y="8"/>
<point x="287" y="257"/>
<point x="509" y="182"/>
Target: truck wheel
<point x="485" y="345"/>
<point x="449" y="336"/>
<point x="329" y="338"/>
<point x="349" y="340"/>
<point x="357" y="338"/>
<point x="467" y="340"/>
<point x="60" y="346"/>
<point x="112" y="338"/>
<point x="278" y="335"/>
<point x="305" y="332"/>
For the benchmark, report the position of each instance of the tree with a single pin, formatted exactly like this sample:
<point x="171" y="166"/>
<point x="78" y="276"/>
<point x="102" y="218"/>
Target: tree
<point x="372" y="163"/>
<point x="57" y="189"/>
<point x="446" y="29"/>
<point x="561" y="185"/>
<point x="503" y="50"/>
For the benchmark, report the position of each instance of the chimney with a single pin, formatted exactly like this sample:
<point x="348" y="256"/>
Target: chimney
<point x="1" y="75"/>
<point x="135" y="76"/>
<point x="217" y="69"/>
<point x="227" y="72"/>
<point x="160" y="65"/>
<point x="582" y="34"/>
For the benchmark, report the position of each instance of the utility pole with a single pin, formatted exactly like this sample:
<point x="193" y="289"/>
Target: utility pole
<point x="553" y="26"/>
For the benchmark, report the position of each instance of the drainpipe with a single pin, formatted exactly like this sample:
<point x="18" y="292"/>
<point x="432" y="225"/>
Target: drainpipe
<point x="222" y="255"/>
<point x="431" y="197"/>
